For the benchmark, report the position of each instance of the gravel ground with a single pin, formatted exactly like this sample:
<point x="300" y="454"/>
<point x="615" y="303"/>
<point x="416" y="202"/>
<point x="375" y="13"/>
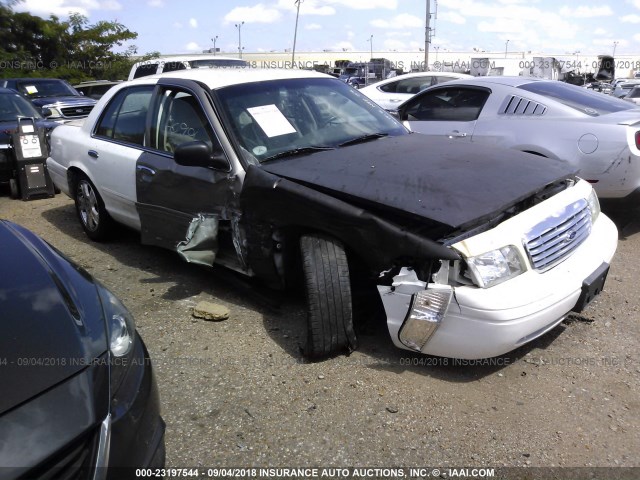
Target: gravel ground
<point x="238" y="393"/>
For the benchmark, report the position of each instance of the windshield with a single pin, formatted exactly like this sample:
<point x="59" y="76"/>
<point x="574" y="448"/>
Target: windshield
<point x="582" y="99"/>
<point x="13" y="105"/>
<point x="46" y="88"/>
<point x="301" y="115"/>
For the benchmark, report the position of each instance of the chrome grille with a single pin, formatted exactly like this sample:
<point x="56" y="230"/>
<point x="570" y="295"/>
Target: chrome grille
<point x="552" y="241"/>
<point x="76" y="111"/>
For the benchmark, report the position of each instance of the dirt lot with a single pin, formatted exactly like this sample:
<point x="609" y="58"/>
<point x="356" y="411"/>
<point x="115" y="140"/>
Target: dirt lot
<point x="237" y="393"/>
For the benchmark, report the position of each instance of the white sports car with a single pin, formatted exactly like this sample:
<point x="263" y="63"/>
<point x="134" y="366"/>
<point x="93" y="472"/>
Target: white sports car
<point x="393" y="91"/>
<point x="598" y="134"/>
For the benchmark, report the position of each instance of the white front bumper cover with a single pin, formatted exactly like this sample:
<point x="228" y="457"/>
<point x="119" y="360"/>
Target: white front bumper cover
<point x="483" y="323"/>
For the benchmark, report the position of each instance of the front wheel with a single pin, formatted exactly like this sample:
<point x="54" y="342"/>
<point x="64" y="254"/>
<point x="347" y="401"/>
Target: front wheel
<point x="93" y="216"/>
<point x="328" y="290"/>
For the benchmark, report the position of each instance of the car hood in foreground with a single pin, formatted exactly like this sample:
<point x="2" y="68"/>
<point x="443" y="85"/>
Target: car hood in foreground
<point x="51" y="320"/>
<point x="445" y="181"/>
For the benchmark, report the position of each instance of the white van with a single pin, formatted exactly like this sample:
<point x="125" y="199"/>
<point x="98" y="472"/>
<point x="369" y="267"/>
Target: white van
<point x="170" y="64"/>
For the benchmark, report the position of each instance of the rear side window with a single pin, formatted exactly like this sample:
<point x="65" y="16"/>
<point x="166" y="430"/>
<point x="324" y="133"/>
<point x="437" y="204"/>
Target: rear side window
<point x="582" y="99"/>
<point x="145" y="69"/>
<point x="173" y="66"/>
<point x="125" y="117"/>
<point x="409" y="85"/>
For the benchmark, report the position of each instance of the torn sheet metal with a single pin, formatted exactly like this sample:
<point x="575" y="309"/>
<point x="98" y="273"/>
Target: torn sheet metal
<point x="201" y="240"/>
<point x="238" y="238"/>
<point x="268" y="198"/>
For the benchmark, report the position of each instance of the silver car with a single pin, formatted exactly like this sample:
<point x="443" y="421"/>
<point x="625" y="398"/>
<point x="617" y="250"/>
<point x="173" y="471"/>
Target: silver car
<point x="393" y="91"/>
<point x="598" y="134"/>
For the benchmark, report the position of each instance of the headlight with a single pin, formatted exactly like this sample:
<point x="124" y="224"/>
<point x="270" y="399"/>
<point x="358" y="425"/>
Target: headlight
<point x="594" y="205"/>
<point x="121" y="335"/>
<point x="55" y="111"/>
<point x="496" y="266"/>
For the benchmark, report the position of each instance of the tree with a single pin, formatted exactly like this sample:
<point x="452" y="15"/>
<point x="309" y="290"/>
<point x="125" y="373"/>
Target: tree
<point x="71" y="49"/>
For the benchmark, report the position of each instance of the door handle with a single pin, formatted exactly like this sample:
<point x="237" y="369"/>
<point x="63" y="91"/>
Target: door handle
<point x="145" y="169"/>
<point x="456" y="134"/>
<point x="93" y="154"/>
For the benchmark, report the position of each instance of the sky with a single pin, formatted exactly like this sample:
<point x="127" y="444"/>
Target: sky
<point x="189" y="26"/>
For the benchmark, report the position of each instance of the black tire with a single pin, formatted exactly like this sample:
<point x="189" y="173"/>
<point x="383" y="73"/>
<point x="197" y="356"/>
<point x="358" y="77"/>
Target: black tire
<point x="328" y="293"/>
<point x="94" y="219"/>
<point x="14" y="189"/>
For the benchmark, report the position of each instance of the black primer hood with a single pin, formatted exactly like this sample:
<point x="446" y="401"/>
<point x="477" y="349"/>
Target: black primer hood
<point x="447" y="181"/>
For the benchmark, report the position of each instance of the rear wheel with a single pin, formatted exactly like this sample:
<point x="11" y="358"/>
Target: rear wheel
<point x="93" y="216"/>
<point x="328" y="294"/>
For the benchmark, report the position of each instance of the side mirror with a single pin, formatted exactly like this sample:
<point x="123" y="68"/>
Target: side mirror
<point x="199" y="154"/>
<point x="394" y="113"/>
<point x="46" y="112"/>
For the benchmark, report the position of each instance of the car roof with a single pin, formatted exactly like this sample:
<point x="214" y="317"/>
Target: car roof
<point x="31" y="79"/>
<point x="186" y="58"/>
<point x="510" y="81"/>
<point x="7" y="90"/>
<point x="222" y="77"/>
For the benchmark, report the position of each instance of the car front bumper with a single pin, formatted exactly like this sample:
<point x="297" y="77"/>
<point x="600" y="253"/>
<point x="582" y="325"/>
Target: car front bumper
<point x="483" y="323"/>
<point x="137" y="429"/>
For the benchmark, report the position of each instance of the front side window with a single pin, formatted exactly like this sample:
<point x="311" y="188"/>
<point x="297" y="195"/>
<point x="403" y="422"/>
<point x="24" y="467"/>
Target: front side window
<point x="125" y="117"/>
<point x="456" y="104"/>
<point x="180" y="119"/>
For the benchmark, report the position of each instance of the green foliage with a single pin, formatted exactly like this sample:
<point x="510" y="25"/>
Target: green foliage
<point x="71" y="49"/>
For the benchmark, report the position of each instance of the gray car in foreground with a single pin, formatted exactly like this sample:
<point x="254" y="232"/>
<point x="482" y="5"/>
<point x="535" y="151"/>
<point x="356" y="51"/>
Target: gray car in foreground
<point x="596" y="133"/>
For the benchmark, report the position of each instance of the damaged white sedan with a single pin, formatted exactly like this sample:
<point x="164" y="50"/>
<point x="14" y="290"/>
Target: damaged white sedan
<point x="293" y="176"/>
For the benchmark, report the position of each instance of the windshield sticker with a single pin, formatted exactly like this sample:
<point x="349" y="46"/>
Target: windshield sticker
<point x="271" y="120"/>
<point x="260" y="150"/>
<point x="31" y="89"/>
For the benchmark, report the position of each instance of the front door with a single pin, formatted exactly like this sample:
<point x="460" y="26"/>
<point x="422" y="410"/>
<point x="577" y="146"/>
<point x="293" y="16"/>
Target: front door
<point x="181" y="207"/>
<point x="445" y="112"/>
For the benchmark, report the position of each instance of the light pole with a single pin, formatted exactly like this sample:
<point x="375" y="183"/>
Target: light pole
<point x="427" y="31"/>
<point x="295" y="32"/>
<point x="370" y="47"/>
<point x="436" y="49"/>
<point x="615" y="44"/>
<point x="214" y="39"/>
<point x="239" y="27"/>
<point x="506" y="46"/>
